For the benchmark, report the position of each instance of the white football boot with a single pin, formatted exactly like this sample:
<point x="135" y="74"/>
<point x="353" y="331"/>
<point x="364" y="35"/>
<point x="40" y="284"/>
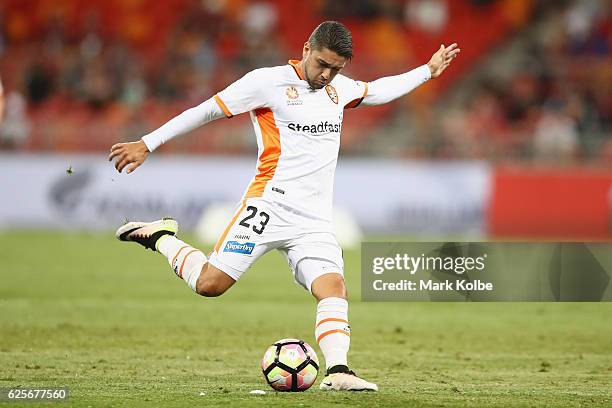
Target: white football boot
<point x="346" y="381"/>
<point x="147" y="233"/>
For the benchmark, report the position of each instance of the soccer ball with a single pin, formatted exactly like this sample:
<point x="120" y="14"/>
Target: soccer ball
<point x="290" y="365"/>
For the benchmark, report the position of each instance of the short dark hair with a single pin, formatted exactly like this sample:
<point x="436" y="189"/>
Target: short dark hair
<point x="333" y="36"/>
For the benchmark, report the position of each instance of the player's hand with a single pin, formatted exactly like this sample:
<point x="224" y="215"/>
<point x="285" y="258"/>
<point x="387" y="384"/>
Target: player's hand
<point x="442" y="59"/>
<point x="131" y="154"/>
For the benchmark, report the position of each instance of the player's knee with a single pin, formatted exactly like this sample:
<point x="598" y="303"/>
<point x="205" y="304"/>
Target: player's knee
<point x="209" y="288"/>
<point x="329" y="285"/>
<point x="213" y="282"/>
<point x="338" y="287"/>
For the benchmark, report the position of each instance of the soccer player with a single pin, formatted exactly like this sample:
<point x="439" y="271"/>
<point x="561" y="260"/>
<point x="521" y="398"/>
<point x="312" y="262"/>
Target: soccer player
<point x="297" y="111"/>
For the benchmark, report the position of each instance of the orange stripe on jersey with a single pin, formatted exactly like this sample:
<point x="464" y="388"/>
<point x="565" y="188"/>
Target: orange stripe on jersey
<point x="327" y="333"/>
<point x="365" y="91"/>
<point x="355" y="102"/>
<point x="223" y="106"/>
<point x="296" y="66"/>
<point x="222" y="238"/>
<point x="331" y="319"/>
<point x="268" y="160"/>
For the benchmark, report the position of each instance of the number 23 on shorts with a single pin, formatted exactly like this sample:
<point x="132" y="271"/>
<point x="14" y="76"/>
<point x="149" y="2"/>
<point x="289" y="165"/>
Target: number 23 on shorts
<point x="255" y="219"/>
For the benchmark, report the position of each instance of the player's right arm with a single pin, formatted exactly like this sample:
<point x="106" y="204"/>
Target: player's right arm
<point x="241" y="96"/>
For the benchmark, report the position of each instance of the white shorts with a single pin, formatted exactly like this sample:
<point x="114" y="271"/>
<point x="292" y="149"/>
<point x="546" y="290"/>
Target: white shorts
<point x="258" y="226"/>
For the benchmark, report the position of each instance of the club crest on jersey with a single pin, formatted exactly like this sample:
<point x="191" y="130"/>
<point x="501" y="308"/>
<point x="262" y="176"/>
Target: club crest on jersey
<point x="293" y="96"/>
<point x="292" y="92"/>
<point x="331" y="92"/>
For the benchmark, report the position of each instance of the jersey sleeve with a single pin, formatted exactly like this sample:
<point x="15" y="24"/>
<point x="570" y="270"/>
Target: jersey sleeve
<point x="185" y="122"/>
<point x="387" y="89"/>
<point x="244" y="95"/>
<point x="352" y="92"/>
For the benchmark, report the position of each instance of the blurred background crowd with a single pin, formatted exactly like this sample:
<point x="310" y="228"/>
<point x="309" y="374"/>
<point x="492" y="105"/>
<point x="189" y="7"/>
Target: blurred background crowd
<point x="533" y="82"/>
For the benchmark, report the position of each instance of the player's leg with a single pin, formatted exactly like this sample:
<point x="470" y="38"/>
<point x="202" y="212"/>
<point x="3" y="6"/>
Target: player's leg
<point x="246" y="238"/>
<point x="213" y="281"/>
<point x="187" y="262"/>
<point x="191" y="265"/>
<point x="332" y="330"/>
<point x="316" y="260"/>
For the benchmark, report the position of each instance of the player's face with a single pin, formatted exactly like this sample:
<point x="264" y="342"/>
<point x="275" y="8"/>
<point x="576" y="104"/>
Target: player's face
<point x="320" y="66"/>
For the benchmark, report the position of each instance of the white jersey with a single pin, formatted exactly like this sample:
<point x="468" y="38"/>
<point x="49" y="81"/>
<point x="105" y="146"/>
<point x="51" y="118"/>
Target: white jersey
<point x="298" y="129"/>
<point x="298" y="133"/>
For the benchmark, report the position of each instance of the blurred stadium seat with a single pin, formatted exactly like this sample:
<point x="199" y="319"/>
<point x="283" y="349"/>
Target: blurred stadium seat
<point x="93" y="72"/>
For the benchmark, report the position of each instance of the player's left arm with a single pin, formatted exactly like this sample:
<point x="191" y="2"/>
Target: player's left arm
<point x="387" y="89"/>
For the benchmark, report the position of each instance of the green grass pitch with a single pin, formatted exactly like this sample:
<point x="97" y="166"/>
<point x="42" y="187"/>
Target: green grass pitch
<point x="112" y="322"/>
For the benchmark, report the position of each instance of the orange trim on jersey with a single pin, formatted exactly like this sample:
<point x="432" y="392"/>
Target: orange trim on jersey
<point x="356" y="102"/>
<point x="184" y="259"/>
<point x="223" y="106"/>
<point x="222" y="238"/>
<point x="327" y="333"/>
<point x="178" y="253"/>
<point x="365" y="91"/>
<point x="268" y="160"/>
<point x="331" y="319"/>
<point x="296" y="66"/>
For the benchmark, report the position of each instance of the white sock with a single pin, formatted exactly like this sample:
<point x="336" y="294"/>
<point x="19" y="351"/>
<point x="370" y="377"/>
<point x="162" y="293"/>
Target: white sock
<point x="332" y="330"/>
<point x="186" y="261"/>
